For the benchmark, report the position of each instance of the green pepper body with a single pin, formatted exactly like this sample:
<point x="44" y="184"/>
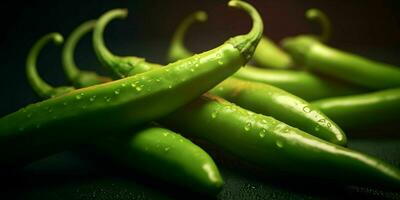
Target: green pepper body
<point x="166" y="155"/>
<point x="268" y="55"/>
<point x="342" y="65"/>
<point x="113" y="106"/>
<point x="364" y="110"/>
<point x="300" y="83"/>
<point x="271" y="101"/>
<point x="272" y="144"/>
<point x="316" y="123"/>
<point x="145" y="149"/>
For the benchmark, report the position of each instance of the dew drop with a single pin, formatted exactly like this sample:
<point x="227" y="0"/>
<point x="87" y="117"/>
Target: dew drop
<point x="133" y="85"/>
<point x="138" y="88"/>
<point x="65" y="103"/>
<point x="78" y="96"/>
<point x="321" y="121"/>
<point x="123" y="84"/>
<point x="306" y="109"/>
<point x="169" y="86"/>
<point x="329" y="125"/>
<point x="191" y="69"/>
<point x="247" y="127"/>
<point x="92" y="98"/>
<point x="214" y="114"/>
<point x="165" y="134"/>
<point x="262" y="133"/>
<point x="316" y="128"/>
<point x="220" y="62"/>
<point x="286" y="130"/>
<point x="157" y="80"/>
<point x="166" y="149"/>
<point x="218" y="55"/>
<point x="180" y="140"/>
<point x="116" y="92"/>
<point x="279" y="144"/>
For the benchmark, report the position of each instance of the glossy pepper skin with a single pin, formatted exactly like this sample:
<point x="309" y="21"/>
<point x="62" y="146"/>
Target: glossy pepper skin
<point x="271" y="143"/>
<point x="271" y="101"/>
<point x="300" y="83"/>
<point x="166" y="155"/>
<point x="364" y="110"/>
<point x="149" y="147"/>
<point x="316" y="122"/>
<point x="269" y="55"/>
<point x="274" y="145"/>
<point x="342" y="65"/>
<point x="119" y="104"/>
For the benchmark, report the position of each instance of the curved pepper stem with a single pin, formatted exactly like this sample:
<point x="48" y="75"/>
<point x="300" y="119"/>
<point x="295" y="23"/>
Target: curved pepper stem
<point x="247" y="44"/>
<point x="78" y="77"/>
<point x="316" y="15"/>
<point x="43" y="89"/>
<point x="121" y="66"/>
<point x="177" y="49"/>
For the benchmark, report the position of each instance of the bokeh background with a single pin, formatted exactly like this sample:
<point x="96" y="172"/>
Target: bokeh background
<point x="367" y="27"/>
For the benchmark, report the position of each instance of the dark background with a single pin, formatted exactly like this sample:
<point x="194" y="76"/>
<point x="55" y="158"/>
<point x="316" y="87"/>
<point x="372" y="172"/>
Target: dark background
<point x="370" y="28"/>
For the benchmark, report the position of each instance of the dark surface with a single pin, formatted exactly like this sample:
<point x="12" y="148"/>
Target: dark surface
<point x="370" y="28"/>
<point x="72" y="175"/>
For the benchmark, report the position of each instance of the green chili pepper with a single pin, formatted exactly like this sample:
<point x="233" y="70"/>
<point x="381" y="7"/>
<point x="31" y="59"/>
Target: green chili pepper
<point x="50" y="125"/>
<point x="283" y="106"/>
<point x="80" y="78"/>
<point x="342" y="65"/>
<point x="272" y="144"/>
<point x="299" y="83"/>
<point x="364" y="110"/>
<point x="147" y="148"/>
<point x="269" y="55"/>
<point x="315" y="122"/>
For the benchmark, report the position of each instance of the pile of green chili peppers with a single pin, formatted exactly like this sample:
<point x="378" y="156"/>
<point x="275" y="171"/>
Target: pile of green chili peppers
<point x="260" y="114"/>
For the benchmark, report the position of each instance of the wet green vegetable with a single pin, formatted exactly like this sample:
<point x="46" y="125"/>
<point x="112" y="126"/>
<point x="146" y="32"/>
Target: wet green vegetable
<point x="149" y="147"/>
<point x="315" y="122"/>
<point x="363" y="110"/>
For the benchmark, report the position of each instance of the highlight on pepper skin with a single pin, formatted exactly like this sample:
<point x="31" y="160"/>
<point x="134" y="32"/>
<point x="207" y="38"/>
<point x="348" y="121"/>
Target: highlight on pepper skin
<point x="218" y="100"/>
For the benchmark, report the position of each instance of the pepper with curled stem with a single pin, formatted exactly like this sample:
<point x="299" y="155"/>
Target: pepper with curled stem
<point x="81" y="78"/>
<point x="148" y="147"/>
<point x="56" y="123"/>
<point x="318" y="57"/>
<point x="251" y="94"/>
<point x="363" y="110"/>
<point x="312" y="86"/>
<point x="275" y="145"/>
